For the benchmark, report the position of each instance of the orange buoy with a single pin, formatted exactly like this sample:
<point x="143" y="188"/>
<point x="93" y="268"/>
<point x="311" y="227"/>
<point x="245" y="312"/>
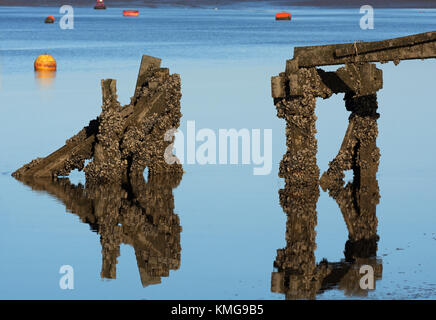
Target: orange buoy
<point x="283" y="16"/>
<point x="49" y="19"/>
<point x="130" y="13"/>
<point x="45" y="62"/>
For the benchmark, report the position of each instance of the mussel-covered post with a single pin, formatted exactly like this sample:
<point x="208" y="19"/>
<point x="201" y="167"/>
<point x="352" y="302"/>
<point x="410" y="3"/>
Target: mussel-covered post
<point x="359" y="151"/>
<point x="295" y="92"/>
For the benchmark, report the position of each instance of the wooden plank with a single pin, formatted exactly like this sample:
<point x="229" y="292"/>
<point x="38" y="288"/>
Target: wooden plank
<point x="147" y="63"/>
<point x="419" y="46"/>
<point x="371" y="47"/>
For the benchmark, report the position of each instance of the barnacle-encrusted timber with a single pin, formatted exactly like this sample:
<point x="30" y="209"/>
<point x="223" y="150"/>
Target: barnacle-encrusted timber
<point x="123" y="140"/>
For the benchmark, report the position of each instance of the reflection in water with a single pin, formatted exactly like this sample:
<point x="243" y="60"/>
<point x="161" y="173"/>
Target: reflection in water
<point x="45" y="79"/>
<point x="140" y="214"/>
<point x="298" y="275"/>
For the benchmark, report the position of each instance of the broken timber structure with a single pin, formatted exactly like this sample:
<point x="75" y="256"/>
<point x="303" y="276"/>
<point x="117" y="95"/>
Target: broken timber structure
<point x="295" y="92"/>
<point x="123" y="140"/>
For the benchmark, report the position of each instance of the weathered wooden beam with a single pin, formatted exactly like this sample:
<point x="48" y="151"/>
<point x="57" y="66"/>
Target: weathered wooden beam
<point x="419" y="46"/>
<point x="79" y="146"/>
<point x="148" y="63"/>
<point x="395" y="43"/>
<point x="362" y="79"/>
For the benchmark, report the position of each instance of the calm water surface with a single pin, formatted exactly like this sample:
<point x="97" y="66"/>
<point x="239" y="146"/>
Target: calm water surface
<point x="226" y="226"/>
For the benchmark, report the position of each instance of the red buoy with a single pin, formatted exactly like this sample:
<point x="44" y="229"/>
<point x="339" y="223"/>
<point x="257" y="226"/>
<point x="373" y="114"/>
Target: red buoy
<point x="49" y="19"/>
<point x="283" y="16"/>
<point x="100" y="5"/>
<point x="130" y="13"/>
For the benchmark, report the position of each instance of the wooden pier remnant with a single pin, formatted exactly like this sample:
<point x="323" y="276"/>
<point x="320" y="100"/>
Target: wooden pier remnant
<point x="295" y="92"/>
<point x="123" y="140"/>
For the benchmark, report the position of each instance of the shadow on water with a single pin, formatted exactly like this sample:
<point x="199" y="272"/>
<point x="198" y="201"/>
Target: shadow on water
<point x="140" y="214"/>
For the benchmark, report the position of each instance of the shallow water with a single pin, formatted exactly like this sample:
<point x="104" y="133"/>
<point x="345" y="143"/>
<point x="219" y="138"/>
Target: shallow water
<point x="232" y="222"/>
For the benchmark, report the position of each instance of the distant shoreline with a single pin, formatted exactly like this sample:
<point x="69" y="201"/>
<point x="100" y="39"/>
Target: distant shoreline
<point x="406" y="4"/>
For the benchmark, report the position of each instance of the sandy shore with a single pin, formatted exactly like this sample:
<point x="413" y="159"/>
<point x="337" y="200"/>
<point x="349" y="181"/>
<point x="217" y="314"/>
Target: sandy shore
<point x="221" y="3"/>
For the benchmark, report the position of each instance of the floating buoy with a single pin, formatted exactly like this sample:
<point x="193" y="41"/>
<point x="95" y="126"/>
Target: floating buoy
<point x="45" y="62"/>
<point x="100" y="5"/>
<point x="283" y="16"/>
<point x="49" y="19"/>
<point x="130" y="13"/>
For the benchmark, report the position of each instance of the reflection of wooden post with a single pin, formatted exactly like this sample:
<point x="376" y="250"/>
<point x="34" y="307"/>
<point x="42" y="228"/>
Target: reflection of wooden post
<point x="109" y="260"/>
<point x="298" y="276"/>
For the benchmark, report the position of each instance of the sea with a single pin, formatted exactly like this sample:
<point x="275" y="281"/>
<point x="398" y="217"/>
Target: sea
<point x="227" y="222"/>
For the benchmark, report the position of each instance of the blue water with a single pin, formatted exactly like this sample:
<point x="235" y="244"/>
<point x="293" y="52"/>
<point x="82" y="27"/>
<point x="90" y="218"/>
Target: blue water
<point x="232" y="221"/>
